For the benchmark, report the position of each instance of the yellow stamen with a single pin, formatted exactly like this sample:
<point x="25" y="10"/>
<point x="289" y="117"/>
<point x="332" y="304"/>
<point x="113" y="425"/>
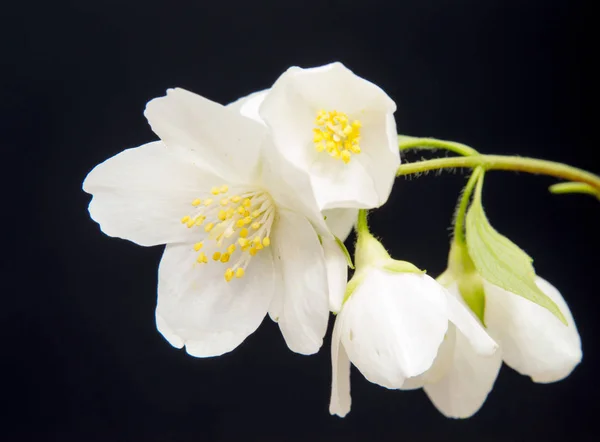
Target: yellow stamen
<point x="231" y="249"/>
<point x="243" y="233"/>
<point x="209" y="227"/>
<point x="198" y="246"/>
<point x="215" y="191"/>
<point x="216" y="256"/>
<point x="239" y="272"/>
<point x="256" y="225"/>
<point x="335" y="134"/>
<point x="185" y="219"/>
<point x="208" y="202"/>
<point x="266" y="241"/>
<point x="228" y="274"/>
<point x="225" y="257"/>
<point x="202" y="258"/>
<point x="196" y="202"/>
<point x="224" y="188"/>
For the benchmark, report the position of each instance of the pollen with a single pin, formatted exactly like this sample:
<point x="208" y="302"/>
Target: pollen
<point x="335" y="134"/>
<point x="227" y="221"/>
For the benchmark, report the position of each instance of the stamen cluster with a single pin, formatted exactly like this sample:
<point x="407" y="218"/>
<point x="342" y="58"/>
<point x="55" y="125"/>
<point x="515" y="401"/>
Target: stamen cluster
<point x="238" y="225"/>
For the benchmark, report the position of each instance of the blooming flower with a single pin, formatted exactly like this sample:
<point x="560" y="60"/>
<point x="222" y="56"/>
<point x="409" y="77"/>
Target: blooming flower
<point x="243" y="236"/>
<point x="532" y="341"/>
<point x="335" y="126"/>
<point x="393" y="325"/>
<point x="339" y="220"/>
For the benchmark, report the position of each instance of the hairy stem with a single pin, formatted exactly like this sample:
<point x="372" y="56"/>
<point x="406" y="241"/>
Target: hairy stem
<point x="501" y="162"/>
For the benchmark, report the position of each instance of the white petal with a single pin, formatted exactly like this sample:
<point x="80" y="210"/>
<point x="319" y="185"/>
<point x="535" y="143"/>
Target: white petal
<point x="199" y="309"/>
<point x="141" y="194"/>
<point x="380" y="156"/>
<point x="465" y="386"/>
<point x="337" y="273"/>
<point x="220" y="138"/>
<point x="343" y="185"/>
<point x="442" y="363"/>
<point x="276" y="306"/>
<point x="248" y="106"/>
<point x="301" y="264"/>
<point x="290" y="109"/>
<point x="340" y="221"/>
<point x="290" y="188"/>
<point x="534" y="342"/>
<point x="340" y="374"/>
<point x="393" y="325"/>
<point x="462" y="317"/>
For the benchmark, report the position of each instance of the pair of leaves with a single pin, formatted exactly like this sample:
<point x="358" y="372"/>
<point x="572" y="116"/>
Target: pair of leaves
<point x="500" y="261"/>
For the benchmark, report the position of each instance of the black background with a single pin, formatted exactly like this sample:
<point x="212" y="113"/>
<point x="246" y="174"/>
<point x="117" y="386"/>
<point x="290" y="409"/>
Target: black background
<point x="81" y="357"/>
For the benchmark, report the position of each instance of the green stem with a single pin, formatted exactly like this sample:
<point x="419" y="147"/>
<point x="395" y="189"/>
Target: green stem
<point x="570" y="187"/>
<point x="501" y="162"/>
<point x="361" y="223"/>
<point x="407" y="143"/>
<point x="459" y="217"/>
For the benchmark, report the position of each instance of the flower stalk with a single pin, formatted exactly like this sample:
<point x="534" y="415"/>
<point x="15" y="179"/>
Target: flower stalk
<point x="505" y="162"/>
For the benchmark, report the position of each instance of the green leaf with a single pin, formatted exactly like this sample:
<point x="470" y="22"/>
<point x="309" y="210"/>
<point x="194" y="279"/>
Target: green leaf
<point x="500" y="261"/>
<point x="342" y="246"/>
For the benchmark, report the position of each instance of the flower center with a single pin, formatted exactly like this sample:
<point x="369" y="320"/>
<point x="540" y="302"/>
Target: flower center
<point x="238" y="226"/>
<point x="336" y="135"/>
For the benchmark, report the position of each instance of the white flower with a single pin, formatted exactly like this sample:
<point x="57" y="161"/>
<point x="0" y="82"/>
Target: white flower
<point x="532" y="341"/>
<point x="339" y="221"/>
<point x="242" y="233"/>
<point x="335" y="126"/>
<point x="391" y="328"/>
